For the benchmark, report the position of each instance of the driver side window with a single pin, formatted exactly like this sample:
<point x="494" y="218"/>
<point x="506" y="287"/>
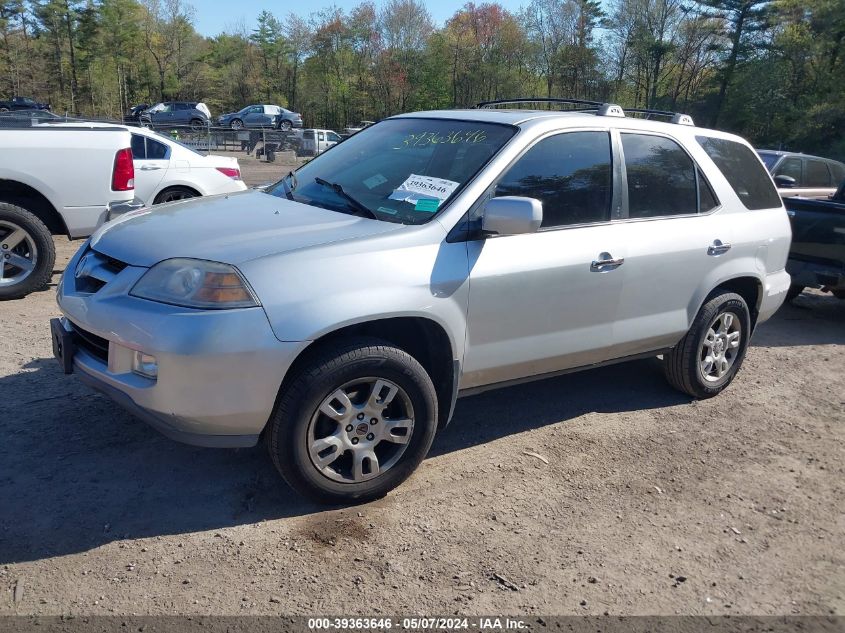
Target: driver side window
<point x="569" y="173"/>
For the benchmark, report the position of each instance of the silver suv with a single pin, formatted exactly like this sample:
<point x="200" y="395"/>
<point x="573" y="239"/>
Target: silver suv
<point x="339" y="314"/>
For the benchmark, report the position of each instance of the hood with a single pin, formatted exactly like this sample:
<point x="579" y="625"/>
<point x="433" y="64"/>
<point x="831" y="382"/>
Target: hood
<point x="232" y="229"/>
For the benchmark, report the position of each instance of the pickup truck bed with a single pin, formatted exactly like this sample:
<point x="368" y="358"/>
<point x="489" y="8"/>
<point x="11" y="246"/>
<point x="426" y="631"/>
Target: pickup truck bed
<point x="817" y="255"/>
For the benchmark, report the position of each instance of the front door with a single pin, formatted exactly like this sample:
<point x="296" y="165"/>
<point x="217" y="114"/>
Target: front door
<point x="547" y="301"/>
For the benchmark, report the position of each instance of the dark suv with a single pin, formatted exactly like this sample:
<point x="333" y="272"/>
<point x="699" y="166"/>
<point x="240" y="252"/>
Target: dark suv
<point x="176" y="113"/>
<point x="803" y="175"/>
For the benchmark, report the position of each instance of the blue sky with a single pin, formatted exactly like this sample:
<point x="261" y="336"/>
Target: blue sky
<point x="215" y="16"/>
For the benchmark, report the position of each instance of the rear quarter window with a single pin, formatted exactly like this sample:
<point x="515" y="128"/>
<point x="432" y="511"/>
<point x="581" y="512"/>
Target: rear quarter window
<point x="743" y="171"/>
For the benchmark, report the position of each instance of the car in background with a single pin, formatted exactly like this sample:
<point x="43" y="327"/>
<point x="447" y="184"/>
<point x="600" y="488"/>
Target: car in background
<point x="817" y="253"/>
<point x="353" y="129"/>
<point x="261" y="115"/>
<point x="167" y="170"/>
<point x="176" y="113"/>
<point x="133" y="115"/>
<point x="316" y="142"/>
<point x="26" y="118"/>
<point x="803" y="175"/>
<point x="22" y="103"/>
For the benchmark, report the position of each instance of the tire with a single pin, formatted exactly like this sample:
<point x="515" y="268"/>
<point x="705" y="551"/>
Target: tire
<point x="197" y="124"/>
<point x="686" y="364"/>
<point x="171" y="194"/>
<point x="359" y="368"/>
<point x="285" y="125"/>
<point x="236" y="124"/>
<point x="33" y="244"/>
<point x="794" y="291"/>
<point x="4" y="109"/>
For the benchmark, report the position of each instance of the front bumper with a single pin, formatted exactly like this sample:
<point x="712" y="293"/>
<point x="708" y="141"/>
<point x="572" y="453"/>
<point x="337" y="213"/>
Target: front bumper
<point x="219" y="372"/>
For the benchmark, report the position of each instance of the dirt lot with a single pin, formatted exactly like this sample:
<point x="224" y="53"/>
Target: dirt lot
<point x="650" y="503"/>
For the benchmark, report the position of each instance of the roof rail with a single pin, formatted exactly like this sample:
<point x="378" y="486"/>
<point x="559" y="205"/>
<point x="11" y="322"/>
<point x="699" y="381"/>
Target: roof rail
<point x="600" y="108"/>
<point x="497" y="102"/>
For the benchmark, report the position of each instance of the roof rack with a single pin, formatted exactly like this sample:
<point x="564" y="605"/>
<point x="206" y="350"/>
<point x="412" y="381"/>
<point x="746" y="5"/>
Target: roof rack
<point x="601" y="109"/>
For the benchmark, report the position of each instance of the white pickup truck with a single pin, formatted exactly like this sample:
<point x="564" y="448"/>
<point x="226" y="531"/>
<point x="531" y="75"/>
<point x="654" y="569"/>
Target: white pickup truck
<point x="57" y="181"/>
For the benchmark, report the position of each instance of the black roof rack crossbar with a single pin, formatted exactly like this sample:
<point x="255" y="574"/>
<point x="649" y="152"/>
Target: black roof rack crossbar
<point x="650" y="111"/>
<point x="593" y="104"/>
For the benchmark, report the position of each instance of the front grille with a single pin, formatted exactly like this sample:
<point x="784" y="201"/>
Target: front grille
<point x="94" y="270"/>
<point x="91" y="343"/>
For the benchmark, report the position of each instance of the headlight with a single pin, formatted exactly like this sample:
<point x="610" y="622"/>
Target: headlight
<point x="195" y="283"/>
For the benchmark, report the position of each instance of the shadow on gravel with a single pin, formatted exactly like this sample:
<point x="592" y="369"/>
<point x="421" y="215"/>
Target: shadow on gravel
<point x="77" y="472"/>
<point x="812" y="319"/>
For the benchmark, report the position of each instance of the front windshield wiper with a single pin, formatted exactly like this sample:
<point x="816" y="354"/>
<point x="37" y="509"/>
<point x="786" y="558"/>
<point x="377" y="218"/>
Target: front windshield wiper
<point x="288" y="190"/>
<point x="352" y="201"/>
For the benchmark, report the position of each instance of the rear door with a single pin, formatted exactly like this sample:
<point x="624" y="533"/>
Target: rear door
<point x="675" y="240"/>
<point x="151" y="161"/>
<point x="818" y="182"/>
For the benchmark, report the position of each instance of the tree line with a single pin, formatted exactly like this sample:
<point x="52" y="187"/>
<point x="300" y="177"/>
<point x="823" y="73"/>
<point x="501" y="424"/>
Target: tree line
<point x="771" y="70"/>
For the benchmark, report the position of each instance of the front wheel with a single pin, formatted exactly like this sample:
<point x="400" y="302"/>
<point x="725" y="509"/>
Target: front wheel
<point x="355" y="422"/>
<point x="27" y="252"/>
<point x="709" y="356"/>
<point x="237" y="124"/>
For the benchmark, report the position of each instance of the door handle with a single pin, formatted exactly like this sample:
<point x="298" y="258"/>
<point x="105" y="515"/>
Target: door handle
<point x="606" y="263"/>
<point x="149" y="168"/>
<point x="718" y="248"/>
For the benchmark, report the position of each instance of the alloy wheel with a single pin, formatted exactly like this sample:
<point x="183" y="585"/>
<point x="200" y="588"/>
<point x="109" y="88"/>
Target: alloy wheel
<point x="18" y="254"/>
<point x="360" y="430"/>
<point x="720" y="347"/>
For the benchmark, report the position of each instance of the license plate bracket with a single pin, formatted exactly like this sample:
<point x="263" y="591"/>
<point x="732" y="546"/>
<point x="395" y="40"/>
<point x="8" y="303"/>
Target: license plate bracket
<point x="63" y="345"/>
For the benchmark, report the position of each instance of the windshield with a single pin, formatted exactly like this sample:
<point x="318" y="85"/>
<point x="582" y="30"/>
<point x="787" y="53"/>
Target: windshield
<point x="768" y="159"/>
<point x="401" y="170"/>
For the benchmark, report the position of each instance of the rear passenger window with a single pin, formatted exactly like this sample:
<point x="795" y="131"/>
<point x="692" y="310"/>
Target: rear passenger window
<point x="156" y="150"/>
<point x="661" y="177"/>
<point x="706" y="198"/>
<point x="837" y="170"/>
<point x="569" y="173"/>
<point x="139" y="151"/>
<point x="817" y="174"/>
<point x="744" y="172"/>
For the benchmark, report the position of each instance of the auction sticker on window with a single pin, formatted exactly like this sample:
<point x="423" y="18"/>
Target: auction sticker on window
<point x="417" y="188"/>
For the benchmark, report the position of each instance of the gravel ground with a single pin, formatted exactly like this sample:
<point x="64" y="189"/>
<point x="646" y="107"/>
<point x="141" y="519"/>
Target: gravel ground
<point x="603" y="491"/>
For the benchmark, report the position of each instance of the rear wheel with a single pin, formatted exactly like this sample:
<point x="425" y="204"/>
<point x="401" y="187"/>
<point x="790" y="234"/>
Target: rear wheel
<point x="27" y="253"/>
<point x="354" y="423"/>
<point x="285" y="125"/>
<point x="175" y="193"/>
<point x="706" y="360"/>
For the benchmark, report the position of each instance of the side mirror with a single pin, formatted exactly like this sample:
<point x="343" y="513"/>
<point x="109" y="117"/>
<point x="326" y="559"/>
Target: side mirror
<point x="785" y="182"/>
<point x="512" y="215"/>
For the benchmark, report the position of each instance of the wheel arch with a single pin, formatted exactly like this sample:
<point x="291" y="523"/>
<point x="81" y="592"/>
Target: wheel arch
<point x="16" y="192"/>
<point x="749" y="287"/>
<point x="423" y="338"/>
<point x="176" y="185"/>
